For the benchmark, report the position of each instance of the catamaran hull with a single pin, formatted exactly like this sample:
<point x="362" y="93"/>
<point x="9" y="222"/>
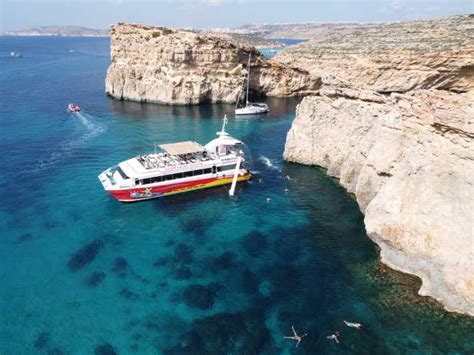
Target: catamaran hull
<point x="141" y="193"/>
<point x="250" y="111"/>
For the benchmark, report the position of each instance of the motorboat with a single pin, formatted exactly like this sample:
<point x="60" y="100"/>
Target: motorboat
<point x="177" y="168"/>
<point x="250" y="108"/>
<point x="15" y="54"/>
<point x="73" y="107"/>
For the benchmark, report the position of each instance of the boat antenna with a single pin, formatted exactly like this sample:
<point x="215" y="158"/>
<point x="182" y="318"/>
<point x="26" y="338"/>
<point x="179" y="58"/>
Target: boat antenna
<point x="248" y="80"/>
<point x="224" y="123"/>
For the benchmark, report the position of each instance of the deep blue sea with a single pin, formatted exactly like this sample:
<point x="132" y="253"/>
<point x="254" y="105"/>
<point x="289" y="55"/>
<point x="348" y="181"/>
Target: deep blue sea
<point x="196" y="273"/>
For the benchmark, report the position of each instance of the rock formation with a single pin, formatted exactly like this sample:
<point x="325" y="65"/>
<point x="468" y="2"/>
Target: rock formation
<point x="155" y="64"/>
<point x="394" y="57"/>
<point x="409" y="160"/>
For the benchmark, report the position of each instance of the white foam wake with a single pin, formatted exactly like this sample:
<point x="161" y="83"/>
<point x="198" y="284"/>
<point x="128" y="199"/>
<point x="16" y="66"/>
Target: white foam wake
<point x="65" y="149"/>
<point x="83" y="118"/>
<point x="268" y="163"/>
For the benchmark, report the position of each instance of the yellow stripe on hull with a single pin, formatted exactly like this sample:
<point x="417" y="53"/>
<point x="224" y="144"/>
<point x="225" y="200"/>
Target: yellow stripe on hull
<point x="195" y="187"/>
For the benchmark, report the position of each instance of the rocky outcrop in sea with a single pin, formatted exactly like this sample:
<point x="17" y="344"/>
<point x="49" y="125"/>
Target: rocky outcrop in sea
<point x="156" y="64"/>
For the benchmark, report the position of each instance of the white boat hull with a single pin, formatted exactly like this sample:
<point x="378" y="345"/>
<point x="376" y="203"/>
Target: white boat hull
<point x="252" y="109"/>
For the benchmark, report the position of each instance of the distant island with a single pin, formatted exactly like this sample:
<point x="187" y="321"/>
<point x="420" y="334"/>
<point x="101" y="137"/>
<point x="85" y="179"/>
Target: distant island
<point x="59" y="31"/>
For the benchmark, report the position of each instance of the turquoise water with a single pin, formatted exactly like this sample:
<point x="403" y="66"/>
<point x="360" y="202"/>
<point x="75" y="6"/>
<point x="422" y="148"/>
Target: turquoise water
<point x="196" y="273"/>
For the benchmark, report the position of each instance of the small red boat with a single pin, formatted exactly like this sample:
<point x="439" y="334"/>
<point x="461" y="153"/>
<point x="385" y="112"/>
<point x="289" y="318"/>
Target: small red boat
<point x="73" y="108"/>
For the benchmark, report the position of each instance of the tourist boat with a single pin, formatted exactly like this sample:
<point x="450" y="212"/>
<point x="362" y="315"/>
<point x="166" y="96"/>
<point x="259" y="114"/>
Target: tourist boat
<point x="250" y="108"/>
<point x="15" y="54"/>
<point x="178" y="167"/>
<point x="73" y="107"/>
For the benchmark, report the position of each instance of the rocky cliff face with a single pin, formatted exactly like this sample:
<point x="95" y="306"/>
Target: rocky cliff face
<point x="409" y="160"/>
<point x="395" y="57"/>
<point x="155" y="64"/>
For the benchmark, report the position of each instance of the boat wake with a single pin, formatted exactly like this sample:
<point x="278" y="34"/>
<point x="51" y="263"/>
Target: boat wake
<point x="67" y="148"/>
<point x="268" y="163"/>
<point x="85" y="121"/>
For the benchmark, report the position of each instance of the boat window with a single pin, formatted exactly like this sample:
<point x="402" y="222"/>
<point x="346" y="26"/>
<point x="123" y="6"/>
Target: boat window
<point x="228" y="167"/>
<point x="122" y="174"/>
<point x="197" y="172"/>
<point x="214" y="169"/>
<point x="219" y="168"/>
<point x="137" y="181"/>
<point x="167" y="177"/>
<point x="178" y="176"/>
<point x="156" y="179"/>
<point x="146" y="181"/>
<point x="207" y="171"/>
<point x="188" y="173"/>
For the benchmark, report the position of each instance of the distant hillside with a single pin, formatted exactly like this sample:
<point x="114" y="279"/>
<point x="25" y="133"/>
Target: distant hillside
<point x="58" y="31"/>
<point x="299" y="30"/>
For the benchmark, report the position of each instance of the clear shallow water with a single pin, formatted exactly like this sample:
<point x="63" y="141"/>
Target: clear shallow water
<point x="195" y="273"/>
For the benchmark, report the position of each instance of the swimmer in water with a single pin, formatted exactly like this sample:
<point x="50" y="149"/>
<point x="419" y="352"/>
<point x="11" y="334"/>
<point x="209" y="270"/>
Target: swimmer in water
<point x="334" y="337"/>
<point x="296" y="337"/>
<point x="353" y="325"/>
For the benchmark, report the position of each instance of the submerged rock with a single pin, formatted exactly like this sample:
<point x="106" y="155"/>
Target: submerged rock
<point x="120" y="266"/>
<point x="24" y="237"/>
<point x="128" y="294"/>
<point x="225" y="261"/>
<point x="225" y="333"/>
<point x="183" y="273"/>
<point x="156" y="64"/>
<point x="85" y="255"/>
<point x="199" y="296"/>
<point x="409" y="160"/>
<point x="254" y="243"/>
<point x="160" y="262"/>
<point x="183" y="253"/>
<point x="105" y="349"/>
<point x="55" y="351"/>
<point x="95" y="279"/>
<point x="41" y="341"/>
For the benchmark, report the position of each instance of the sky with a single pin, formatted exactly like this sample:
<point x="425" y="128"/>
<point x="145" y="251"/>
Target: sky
<point x="19" y="14"/>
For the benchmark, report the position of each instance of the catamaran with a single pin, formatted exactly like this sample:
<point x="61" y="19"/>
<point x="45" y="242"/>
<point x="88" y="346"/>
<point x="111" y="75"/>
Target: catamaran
<point x="178" y="167"/>
<point x="250" y="108"/>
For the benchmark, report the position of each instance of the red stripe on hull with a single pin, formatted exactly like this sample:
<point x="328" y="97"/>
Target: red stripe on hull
<point x="127" y="195"/>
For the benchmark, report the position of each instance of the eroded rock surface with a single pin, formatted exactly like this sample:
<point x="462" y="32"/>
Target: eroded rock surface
<point x="393" y="57"/>
<point x="156" y="64"/>
<point x="409" y="160"/>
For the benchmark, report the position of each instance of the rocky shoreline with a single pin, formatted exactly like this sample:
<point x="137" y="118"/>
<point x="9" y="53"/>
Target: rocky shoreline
<point x="395" y="124"/>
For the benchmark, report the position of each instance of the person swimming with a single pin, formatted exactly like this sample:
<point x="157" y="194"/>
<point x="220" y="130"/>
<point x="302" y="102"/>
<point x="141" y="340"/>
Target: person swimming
<point x="334" y="337"/>
<point x="353" y="325"/>
<point x="296" y="337"/>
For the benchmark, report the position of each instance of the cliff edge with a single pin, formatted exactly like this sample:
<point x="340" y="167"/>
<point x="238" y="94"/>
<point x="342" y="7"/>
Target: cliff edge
<point x="409" y="160"/>
<point x="156" y="64"/>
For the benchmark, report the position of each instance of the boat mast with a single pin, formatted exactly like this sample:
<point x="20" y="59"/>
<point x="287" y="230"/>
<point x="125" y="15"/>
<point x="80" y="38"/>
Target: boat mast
<point x="248" y="81"/>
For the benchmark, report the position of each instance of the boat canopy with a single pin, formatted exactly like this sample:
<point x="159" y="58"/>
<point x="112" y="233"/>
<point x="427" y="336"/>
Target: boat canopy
<point x="182" y="148"/>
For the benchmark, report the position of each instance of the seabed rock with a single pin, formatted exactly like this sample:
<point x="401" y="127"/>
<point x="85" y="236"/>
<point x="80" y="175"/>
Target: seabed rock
<point x="85" y="255"/>
<point x="95" y="279"/>
<point x="105" y="349"/>
<point x="120" y="266"/>
<point x="199" y="296"/>
<point x="41" y="341"/>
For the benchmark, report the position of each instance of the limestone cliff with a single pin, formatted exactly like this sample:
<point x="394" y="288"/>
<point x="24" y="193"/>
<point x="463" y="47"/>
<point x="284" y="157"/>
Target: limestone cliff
<point x="393" y="57"/>
<point x="409" y="160"/>
<point x="155" y="64"/>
